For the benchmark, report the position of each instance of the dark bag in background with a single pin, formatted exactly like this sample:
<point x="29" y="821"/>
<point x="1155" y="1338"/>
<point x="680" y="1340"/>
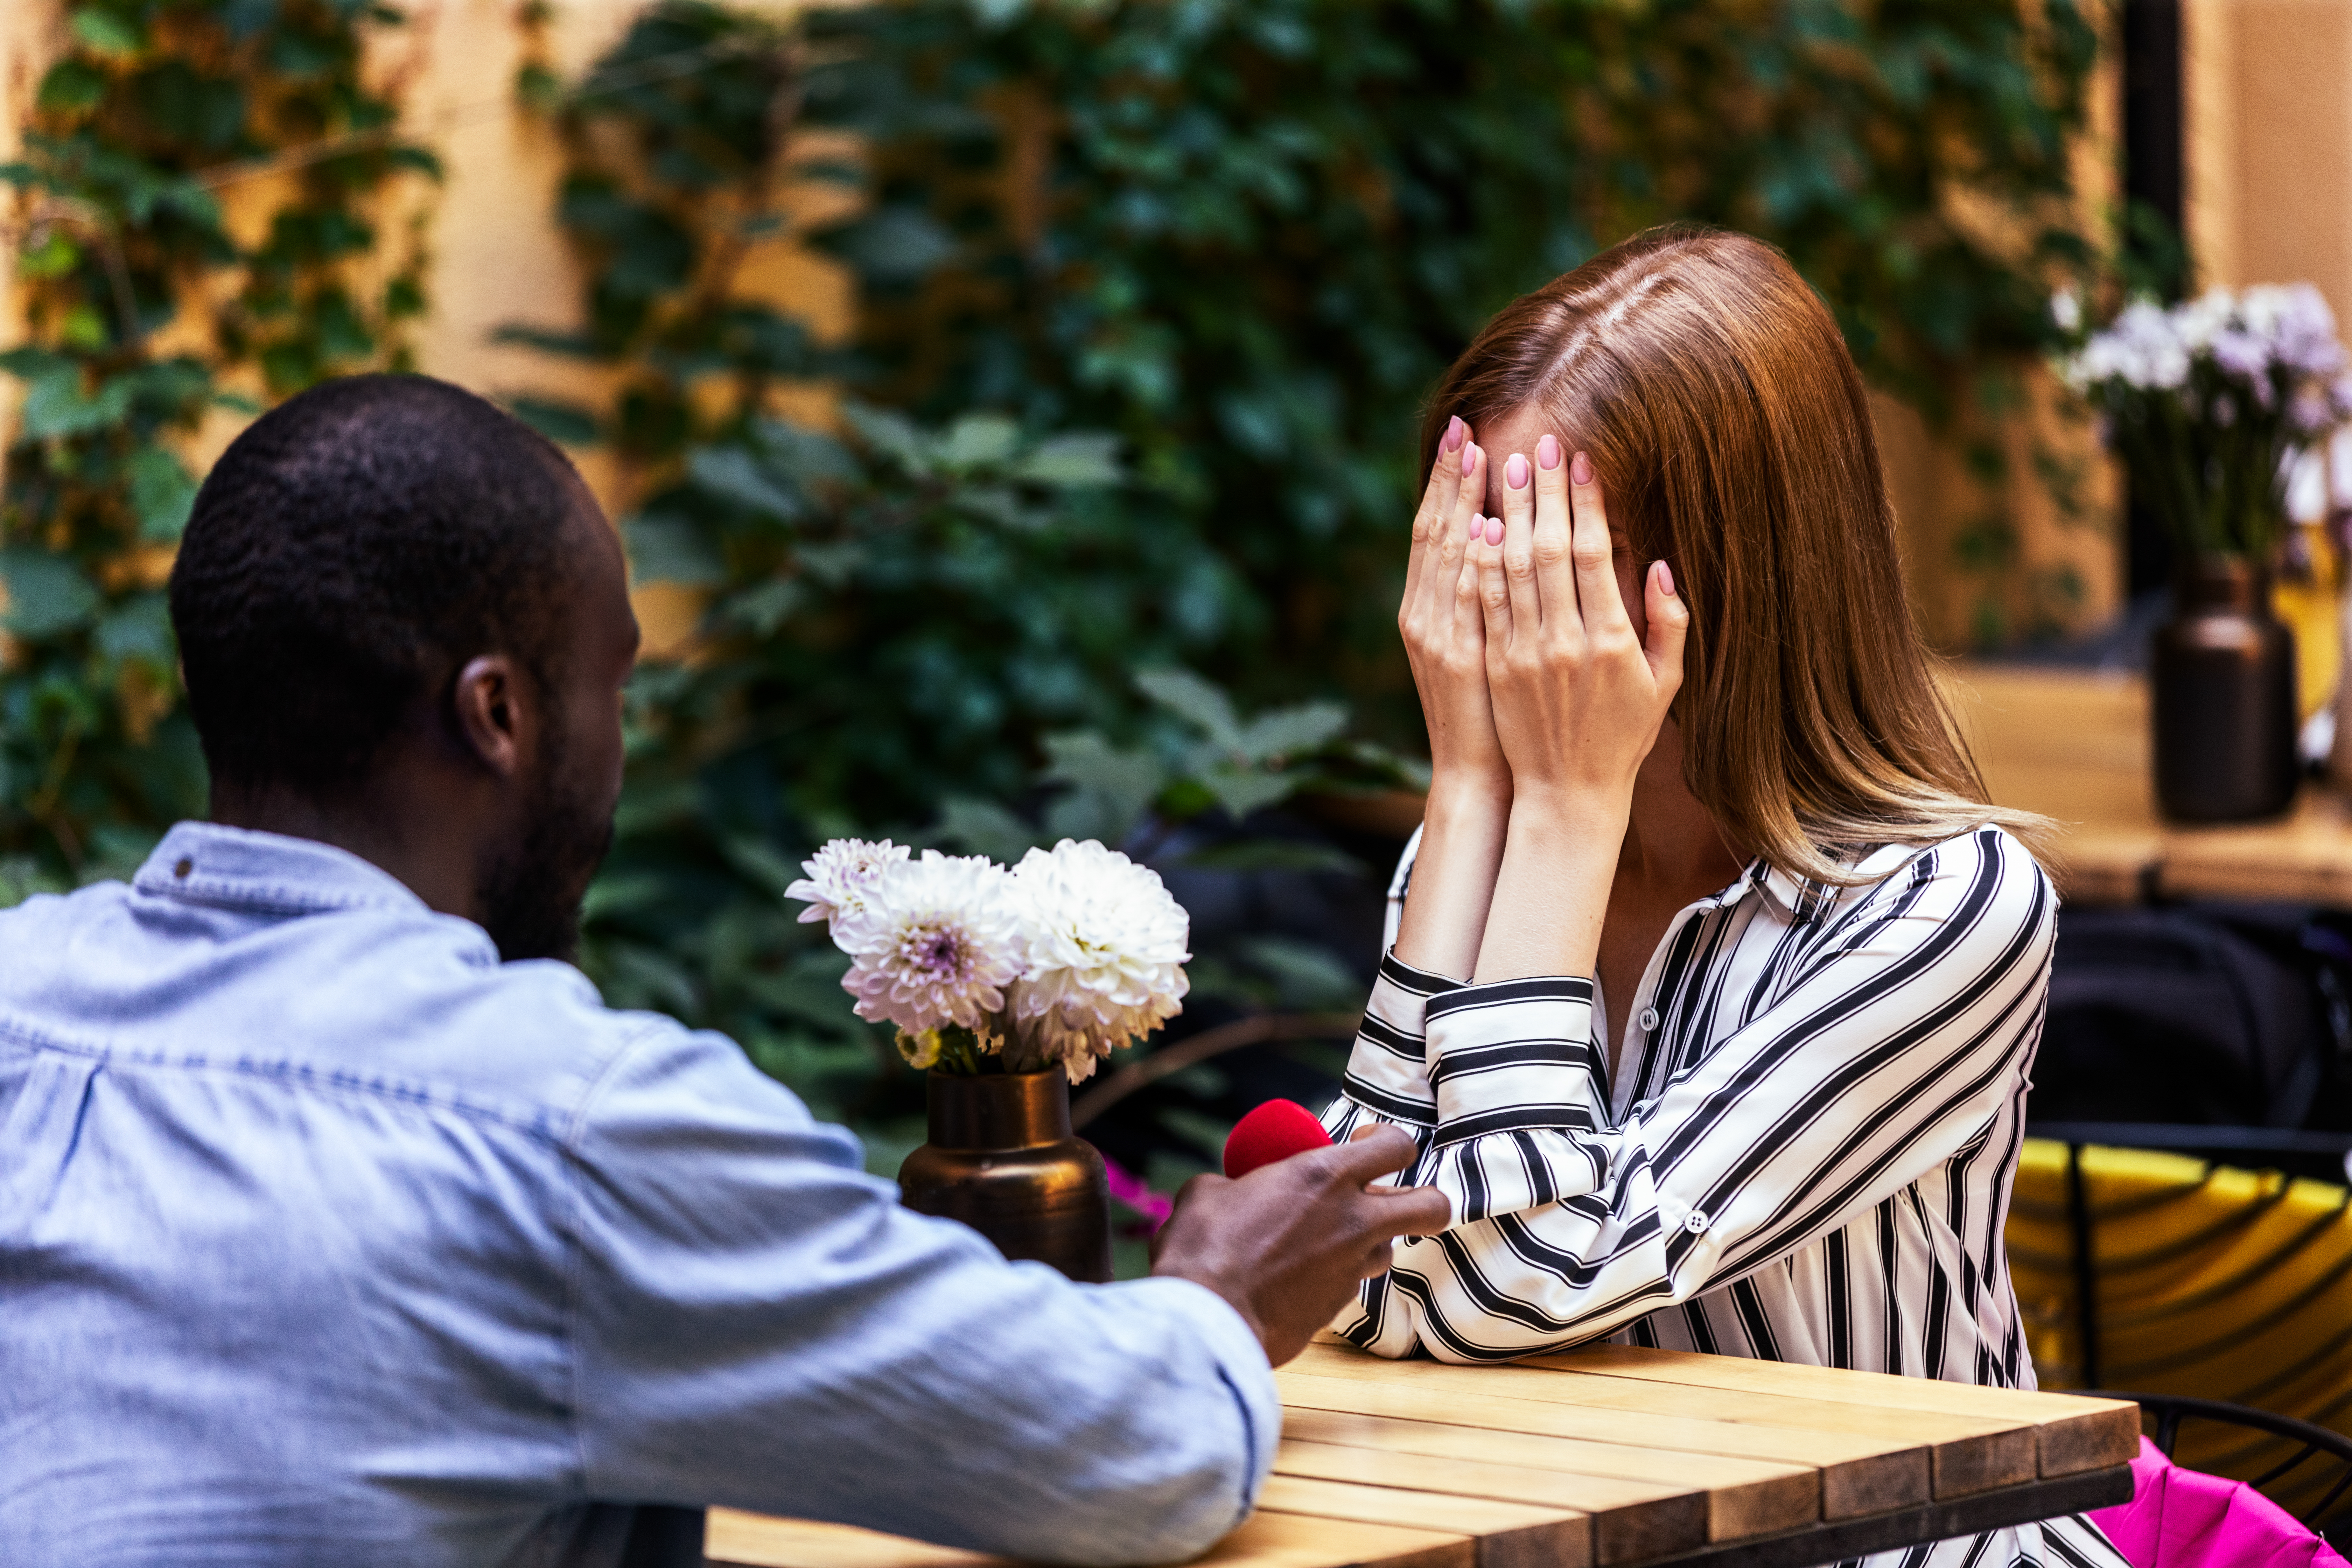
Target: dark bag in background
<point x="2205" y="1015"/>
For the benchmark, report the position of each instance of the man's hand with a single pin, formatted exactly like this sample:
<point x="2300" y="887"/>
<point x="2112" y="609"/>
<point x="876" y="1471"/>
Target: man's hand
<point x="1287" y="1243"/>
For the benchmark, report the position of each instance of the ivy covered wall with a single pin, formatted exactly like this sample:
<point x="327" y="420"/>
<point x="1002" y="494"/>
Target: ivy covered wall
<point x="1009" y="406"/>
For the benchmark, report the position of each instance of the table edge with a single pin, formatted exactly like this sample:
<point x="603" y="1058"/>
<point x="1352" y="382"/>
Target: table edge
<point x="1938" y="1521"/>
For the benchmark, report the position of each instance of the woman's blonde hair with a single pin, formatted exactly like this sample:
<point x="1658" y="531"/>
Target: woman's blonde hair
<point x="1729" y="426"/>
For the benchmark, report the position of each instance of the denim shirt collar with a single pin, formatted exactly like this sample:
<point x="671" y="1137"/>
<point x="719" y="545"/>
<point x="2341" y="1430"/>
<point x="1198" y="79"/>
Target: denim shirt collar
<point x="266" y="873"/>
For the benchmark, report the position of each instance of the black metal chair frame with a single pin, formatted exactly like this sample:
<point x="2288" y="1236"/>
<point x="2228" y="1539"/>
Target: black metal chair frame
<point x="2170" y="1409"/>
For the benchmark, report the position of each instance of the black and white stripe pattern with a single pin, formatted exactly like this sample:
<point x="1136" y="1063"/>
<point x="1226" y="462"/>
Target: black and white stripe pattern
<point x="1808" y="1157"/>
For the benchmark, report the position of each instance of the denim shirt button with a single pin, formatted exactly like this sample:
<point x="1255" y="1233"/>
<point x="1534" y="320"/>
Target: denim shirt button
<point x="184" y="868"/>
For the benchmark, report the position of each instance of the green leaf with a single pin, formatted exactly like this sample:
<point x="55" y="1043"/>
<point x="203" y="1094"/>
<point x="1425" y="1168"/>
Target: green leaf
<point x="890" y="433"/>
<point x="56" y="405"/>
<point x="1288" y="731"/>
<point x="141" y="629"/>
<point x="70" y="87"/>
<point x="571" y="424"/>
<point x="107" y="33"/>
<point x="162" y="493"/>
<point x="1308" y="975"/>
<point x="761" y="862"/>
<point x="47" y="595"/>
<point x="1185" y="694"/>
<point x="979" y="440"/>
<point x="672" y="550"/>
<point x="1244" y="791"/>
<point x="733" y="474"/>
<point x="1111" y="789"/>
<point x="895" y="244"/>
<point x="1073" y="462"/>
<point x="984" y="827"/>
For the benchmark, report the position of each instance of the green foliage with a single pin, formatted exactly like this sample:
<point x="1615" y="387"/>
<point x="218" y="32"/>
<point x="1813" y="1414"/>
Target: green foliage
<point x="674" y="142"/>
<point x="121" y="241"/>
<point x="1247" y="236"/>
<point x="897" y="618"/>
<point x="933" y="631"/>
<point x="1237" y="243"/>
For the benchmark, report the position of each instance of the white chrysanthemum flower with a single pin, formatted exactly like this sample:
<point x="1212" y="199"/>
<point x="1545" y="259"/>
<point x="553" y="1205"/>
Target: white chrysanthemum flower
<point x="938" y="942"/>
<point x="1106" y="950"/>
<point x="840" y="875"/>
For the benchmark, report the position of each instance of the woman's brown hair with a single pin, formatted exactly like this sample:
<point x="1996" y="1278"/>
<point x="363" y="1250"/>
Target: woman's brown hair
<point x="1729" y="426"/>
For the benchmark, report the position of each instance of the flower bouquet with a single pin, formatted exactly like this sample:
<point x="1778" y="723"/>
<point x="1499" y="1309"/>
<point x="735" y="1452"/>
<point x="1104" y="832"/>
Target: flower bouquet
<point x="1074" y="952"/>
<point x="2209" y="403"/>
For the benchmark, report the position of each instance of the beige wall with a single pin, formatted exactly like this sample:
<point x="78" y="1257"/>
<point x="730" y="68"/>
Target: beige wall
<point x="2268" y="143"/>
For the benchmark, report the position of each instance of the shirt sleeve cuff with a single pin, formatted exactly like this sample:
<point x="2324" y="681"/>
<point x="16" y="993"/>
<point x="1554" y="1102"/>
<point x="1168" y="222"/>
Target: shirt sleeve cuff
<point x="1240" y="1362"/>
<point x="1518" y="1089"/>
<point x="1514" y="1055"/>
<point x="1388" y="1071"/>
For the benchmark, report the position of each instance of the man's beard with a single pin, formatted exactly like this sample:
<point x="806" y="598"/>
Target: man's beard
<point x="530" y="895"/>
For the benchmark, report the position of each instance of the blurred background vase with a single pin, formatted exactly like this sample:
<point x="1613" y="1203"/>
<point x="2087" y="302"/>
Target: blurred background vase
<point x="2223" y="700"/>
<point x="1001" y="1158"/>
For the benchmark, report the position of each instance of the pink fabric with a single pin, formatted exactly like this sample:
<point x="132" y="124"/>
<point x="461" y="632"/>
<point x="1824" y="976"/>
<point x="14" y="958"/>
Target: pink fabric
<point x="1154" y="1207"/>
<point x="2187" y="1518"/>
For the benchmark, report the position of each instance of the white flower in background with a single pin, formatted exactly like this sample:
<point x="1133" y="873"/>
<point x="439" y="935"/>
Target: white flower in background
<point x="2143" y="348"/>
<point x="2294" y="319"/>
<point x="938" y="942"/>
<point x="2066" y="311"/>
<point x="1106" y="950"/>
<point x="840" y="877"/>
<point x="2197" y="322"/>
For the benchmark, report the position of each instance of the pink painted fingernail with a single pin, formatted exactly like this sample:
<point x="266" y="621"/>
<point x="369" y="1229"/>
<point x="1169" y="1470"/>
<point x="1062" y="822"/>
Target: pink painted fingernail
<point x="1494" y="530"/>
<point x="1666" y="580"/>
<point x="1454" y="433"/>
<point x="1547" y="452"/>
<point x="1515" y="471"/>
<point x="1477" y="527"/>
<point x="1580" y="470"/>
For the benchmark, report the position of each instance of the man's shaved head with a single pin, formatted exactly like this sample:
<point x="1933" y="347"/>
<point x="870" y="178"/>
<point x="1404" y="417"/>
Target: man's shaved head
<point x="347" y="555"/>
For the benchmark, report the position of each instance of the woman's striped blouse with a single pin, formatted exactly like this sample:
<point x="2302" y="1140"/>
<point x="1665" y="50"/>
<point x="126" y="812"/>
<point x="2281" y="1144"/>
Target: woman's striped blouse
<point x="1809" y="1158"/>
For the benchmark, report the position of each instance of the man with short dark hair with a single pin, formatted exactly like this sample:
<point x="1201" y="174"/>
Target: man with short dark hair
<point x="337" y="1225"/>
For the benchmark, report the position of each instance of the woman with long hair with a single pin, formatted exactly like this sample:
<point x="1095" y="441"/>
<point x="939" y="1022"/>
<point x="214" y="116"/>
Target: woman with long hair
<point x="1714" y="979"/>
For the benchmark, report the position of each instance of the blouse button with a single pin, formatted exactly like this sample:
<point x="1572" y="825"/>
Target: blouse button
<point x="1695" y="1223"/>
<point x="184" y="868"/>
<point x="1648" y="1020"/>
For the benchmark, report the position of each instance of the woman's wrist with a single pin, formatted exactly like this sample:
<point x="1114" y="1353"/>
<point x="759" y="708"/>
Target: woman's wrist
<point x="1547" y="805"/>
<point x="1560" y="856"/>
<point x="1470" y="792"/>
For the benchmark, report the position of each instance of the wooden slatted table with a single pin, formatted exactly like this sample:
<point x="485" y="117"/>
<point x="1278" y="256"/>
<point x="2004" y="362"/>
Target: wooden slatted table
<point x="1607" y="1457"/>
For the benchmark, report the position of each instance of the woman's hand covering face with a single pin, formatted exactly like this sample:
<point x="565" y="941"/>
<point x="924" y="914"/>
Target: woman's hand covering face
<point x="1445" y="632"/>
<point x="1576" y="696"/>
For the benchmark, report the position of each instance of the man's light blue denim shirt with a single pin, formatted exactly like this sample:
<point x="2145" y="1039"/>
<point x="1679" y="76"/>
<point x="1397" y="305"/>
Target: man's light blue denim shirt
<point x="325" y="1237"/>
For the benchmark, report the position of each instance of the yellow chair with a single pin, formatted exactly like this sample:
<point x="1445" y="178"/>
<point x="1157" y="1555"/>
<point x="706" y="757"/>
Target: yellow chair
<point x="2202" y="1279"/>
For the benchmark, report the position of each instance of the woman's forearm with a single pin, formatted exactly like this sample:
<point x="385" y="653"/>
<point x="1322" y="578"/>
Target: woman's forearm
<point x="1461" y="839"/>
<point x="1550" y="892"/>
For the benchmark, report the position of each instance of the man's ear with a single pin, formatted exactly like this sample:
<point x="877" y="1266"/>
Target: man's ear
<point x="487" y="703"/>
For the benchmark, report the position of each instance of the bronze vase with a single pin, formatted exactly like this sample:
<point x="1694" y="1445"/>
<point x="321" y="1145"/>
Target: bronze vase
<point x="2221" y="682"/>
<point x="1002" y="1160"/>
